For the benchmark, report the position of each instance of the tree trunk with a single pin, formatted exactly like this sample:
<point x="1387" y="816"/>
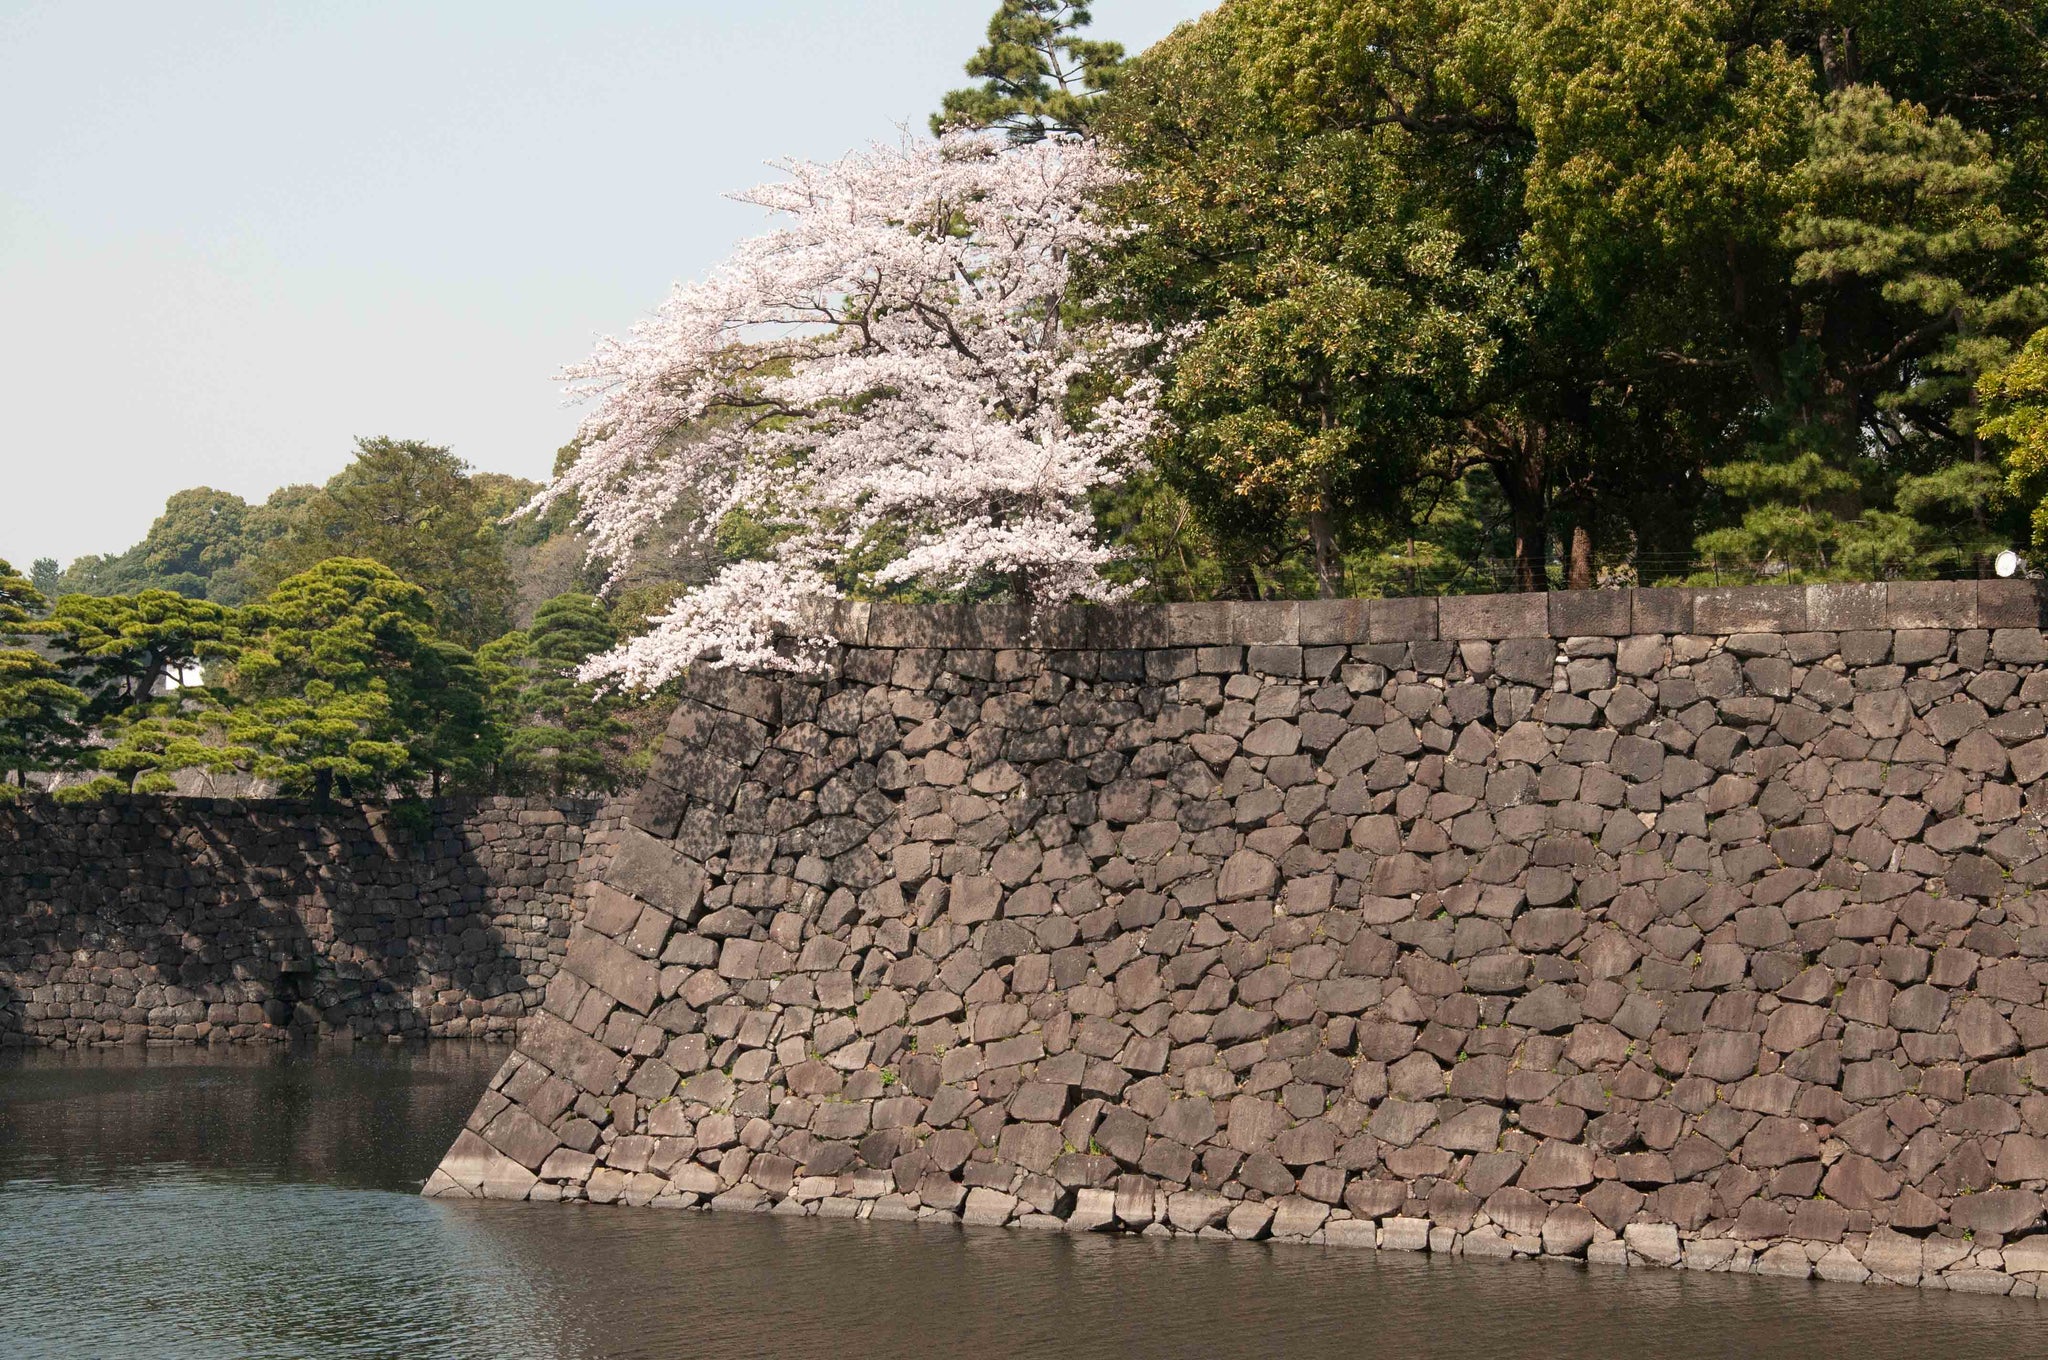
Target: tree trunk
<point x="323" y="787"/>
<point x="1580" y="576"/>
<point x="1329" y="562"/>
<point x="1519" y="468"/>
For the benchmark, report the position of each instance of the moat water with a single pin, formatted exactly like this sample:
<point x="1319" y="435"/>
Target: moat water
<point x="239" y="1205"/>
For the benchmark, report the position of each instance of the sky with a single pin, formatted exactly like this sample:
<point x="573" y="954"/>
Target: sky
<point x="236" y="236"/>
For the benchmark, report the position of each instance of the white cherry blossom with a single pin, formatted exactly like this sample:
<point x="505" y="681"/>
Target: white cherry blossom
<point x="887" y="381"/>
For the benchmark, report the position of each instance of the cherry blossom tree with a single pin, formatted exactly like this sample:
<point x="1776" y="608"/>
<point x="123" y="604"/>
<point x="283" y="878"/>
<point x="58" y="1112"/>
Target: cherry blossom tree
<point x="892" y="384"/>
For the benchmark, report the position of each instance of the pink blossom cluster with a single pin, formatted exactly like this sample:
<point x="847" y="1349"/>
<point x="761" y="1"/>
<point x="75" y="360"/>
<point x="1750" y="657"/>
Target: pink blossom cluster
<point x="887" y="378"/>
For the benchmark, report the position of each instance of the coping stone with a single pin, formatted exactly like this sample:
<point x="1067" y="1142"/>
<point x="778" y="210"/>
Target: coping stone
<point x="1491" y="617"/>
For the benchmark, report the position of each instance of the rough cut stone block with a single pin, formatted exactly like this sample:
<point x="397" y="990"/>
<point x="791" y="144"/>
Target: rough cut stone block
<point x="1893" y="1256"/>
<point x="612" y="912"/>
<point x="521" y="1137"/>
<point x="1930" y="604"/>
<point x="1656" y="1243"/>
<point x="1401" y="620"/>
<point x="570" y="1053"/>
<point x="1093" y="1210"/>
<point x="1107" y="627"/>
<point x="1590" y="613"/>
<point x="1492" y="617"/>
<point x="848" y="622"/>
<point x="1787" y="1259"/>
<point x="615" y="971"/>
<point x="1660" y="611"/>
<point x="1749" y="609"/>
<point x="1194" y="1210"/>
<point x="483" y="1172"/>
<point x="2012" y="604"/>
<point x="658" y="808"/>
<point x="1352" y="1232"/>
<point x="1198" y="624"/>
<point x="754" y="696"/>
<point x="1272" y="623"/>
<point x="1841" y="608"/>
<point x="654" y="873"/>
<point x="988" y="1208"/>
<point x="1404" y="1234"/>
<point x="1332" y="622"/>
<point x="1841" y="1266"/>
<point x="2028" y="1255"/>
<point x="1137" y="1202"/>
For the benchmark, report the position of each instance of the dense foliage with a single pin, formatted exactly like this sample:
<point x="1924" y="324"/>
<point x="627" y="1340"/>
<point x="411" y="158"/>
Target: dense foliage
<point x="1688" y="282"/>
<point x="350" y="677"/>
<point x="1312" y="297"/>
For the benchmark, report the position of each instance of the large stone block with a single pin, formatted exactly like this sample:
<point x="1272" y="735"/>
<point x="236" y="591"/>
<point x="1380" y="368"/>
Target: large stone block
<point x="473" y="1169"/>
<point x="1660" y="611"/>
<point x="1749" y="609"/>
<point x="1410" y="620"/>
<point x="2018" y="603"/>
<point x="617" y="972"/>
<point x="1332" y="622"/>
<point x="1493" y="617"/>
<point x="1197" y="625"/>
<point x="1930" y="604"/>
<point x="1590" y="613"/>
<point x="568" y="1052"/>
<point x="653" y="872"/>
<point x="1841" y="608"/>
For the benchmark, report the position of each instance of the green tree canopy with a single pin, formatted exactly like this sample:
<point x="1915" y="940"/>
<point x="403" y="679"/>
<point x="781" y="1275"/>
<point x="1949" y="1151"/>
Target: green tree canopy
<point x="2017" y="396"/>
<point x="201" y="546"/>
<point x="414" y="508"/>
<point x="123" y="648"/>
<point x="146" y="746"/>
<point x="1039" y="75"/>
<point x="1597" y="249"/>
<point x="200" y="532"/>
<point x="39" y="712"/>
<point x="561" y="736"/>
<point x="344" y="686"/>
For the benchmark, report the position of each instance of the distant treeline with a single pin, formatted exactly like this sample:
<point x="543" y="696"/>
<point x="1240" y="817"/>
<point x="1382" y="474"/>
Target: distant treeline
<point x="396" y="631"/>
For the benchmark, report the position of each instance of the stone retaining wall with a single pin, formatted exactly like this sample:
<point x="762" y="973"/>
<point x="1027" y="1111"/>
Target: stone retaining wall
<point x="168" y="919"/>
<point x="1655" y="927"/>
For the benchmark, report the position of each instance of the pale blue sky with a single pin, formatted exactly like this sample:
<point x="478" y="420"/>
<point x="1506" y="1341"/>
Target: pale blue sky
<point x="233" y="236"/>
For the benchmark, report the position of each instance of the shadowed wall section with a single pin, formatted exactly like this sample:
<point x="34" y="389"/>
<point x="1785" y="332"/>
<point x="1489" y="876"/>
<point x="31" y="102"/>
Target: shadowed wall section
<point x="197" y="920"/>
<point x="1655" y="927"/>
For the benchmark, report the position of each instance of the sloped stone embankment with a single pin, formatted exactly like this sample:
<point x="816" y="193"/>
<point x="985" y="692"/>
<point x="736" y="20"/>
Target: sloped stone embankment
<point x="1663" y="927"/>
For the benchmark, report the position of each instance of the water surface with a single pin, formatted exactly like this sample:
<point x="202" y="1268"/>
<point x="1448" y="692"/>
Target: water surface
<point x="188" y="1203"/>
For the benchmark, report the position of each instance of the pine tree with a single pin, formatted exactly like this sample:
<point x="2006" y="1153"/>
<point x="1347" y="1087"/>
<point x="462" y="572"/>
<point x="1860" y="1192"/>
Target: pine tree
<point x="561" y="735"/>
<point x="414" y="508"/>
<point x="344" y="686"/>
<point x="1039" y="76"/>
<point x="124" y="648"/>
<point x="39" y="711"/>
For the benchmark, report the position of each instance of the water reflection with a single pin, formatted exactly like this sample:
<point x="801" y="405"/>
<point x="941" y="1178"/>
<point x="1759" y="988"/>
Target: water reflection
<point x="366" y="1116"/>
<point x="196" y="1205"/>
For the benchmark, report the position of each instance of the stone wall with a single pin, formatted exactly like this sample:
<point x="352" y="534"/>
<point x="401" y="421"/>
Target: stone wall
<point x="169" y="919"/>
<point x="1654" y="927"/>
